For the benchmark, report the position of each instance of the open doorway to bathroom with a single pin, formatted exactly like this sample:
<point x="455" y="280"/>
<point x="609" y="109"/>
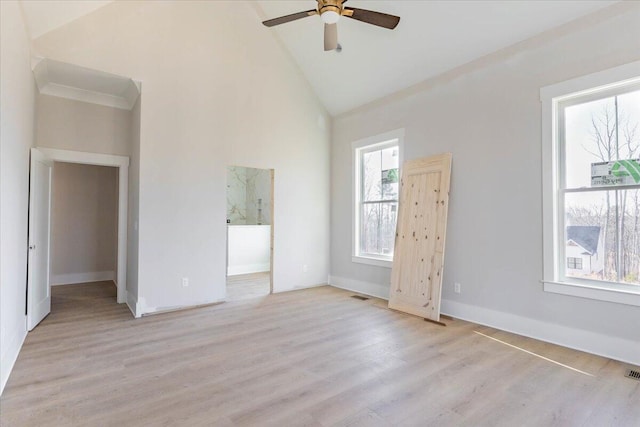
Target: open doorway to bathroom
<point x="249" y="232"/>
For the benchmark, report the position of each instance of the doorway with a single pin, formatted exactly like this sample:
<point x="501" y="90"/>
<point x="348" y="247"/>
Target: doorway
<point x="84" y="229"/>
<point x="250" y="232"/>
<point x="40" y="279"/>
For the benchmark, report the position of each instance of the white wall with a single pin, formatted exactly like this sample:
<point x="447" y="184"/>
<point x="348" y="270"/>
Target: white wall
<point x="249" y="249"/>
<point x="218" y="90"/>
<point x="488" y="114"/>
<point x="67" y="124"/>
<point x="84" y="223"/>
<point x="17" y="91"/>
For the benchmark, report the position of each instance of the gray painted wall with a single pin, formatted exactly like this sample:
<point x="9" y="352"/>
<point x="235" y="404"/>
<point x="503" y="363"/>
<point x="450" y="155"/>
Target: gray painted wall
<point x="488" y="114"/>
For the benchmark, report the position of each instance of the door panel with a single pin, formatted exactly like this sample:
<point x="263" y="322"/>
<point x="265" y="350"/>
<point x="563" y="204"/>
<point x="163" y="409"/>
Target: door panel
<point x="38" y="289"/>
<point x="416" y="277"/>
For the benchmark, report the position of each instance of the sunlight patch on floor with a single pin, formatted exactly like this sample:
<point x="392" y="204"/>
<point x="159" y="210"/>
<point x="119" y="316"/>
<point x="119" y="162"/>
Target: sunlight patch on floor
<point x="535" y="354"/>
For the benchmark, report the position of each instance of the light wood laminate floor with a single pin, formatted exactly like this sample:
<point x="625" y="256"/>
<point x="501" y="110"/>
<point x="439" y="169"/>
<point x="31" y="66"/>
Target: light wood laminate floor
<point x="313" y="357"/>
<point x="243" y="286"/>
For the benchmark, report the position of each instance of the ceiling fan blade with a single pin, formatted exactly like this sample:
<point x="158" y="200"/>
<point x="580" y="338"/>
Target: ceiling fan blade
<point x="370" y="17"/>
<point x="289" y="18"/>
<point x="330" y="37"/>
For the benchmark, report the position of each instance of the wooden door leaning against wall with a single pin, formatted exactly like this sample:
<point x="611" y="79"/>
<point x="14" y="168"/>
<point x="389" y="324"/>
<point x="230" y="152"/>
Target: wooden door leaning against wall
<point x="418" y="261"/>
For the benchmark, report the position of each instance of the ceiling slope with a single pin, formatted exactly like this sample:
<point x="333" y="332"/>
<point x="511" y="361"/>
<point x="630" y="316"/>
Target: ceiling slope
<point x="432" y="38"/>
<point x="46" y="15"/>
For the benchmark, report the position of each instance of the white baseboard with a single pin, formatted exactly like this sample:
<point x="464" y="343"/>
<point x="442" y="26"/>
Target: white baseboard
<point x="134" y="305"/>
<point x="9" y="356"/>
<point x="373" y="289"/>
<point x="579" y="339"/>
<point x="621" y="349"/>
<point x="298" y="288"/>
<point x="234" y="270"/>
<point x="144" y="310"/>
<point x="73" y="278"/>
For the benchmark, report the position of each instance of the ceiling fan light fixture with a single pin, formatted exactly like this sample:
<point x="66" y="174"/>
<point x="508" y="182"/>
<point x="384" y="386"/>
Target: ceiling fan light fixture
<point x="330" y="12"/>
<point x="330" y="17"/>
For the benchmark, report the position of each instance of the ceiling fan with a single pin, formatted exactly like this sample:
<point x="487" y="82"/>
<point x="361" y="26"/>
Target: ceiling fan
<point x="330" y="11"/>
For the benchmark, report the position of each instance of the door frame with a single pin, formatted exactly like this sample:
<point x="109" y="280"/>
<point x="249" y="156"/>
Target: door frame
<point x="122" y="163"/>
<point x="272" y="173"/>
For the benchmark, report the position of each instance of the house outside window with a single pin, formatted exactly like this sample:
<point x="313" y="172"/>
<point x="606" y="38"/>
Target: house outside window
<point x="591" y="154"/>
<point x="376" y="180"/>
<point x="574" y="263"/>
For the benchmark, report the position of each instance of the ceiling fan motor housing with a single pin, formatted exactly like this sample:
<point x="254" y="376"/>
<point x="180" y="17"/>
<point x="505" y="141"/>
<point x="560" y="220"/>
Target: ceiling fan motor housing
<point x="330" y="10"/>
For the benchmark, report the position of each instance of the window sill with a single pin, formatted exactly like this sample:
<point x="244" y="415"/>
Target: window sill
<point x="387" y="263"/>
<point x="621" y="294"/>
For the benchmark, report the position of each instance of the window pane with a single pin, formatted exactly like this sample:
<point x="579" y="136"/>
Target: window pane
<point x="602" y="235"/>
<point x="390" y="176"/>
<point x="603" y="130"/>
<point x="380" y="175"/>
<point x="372" y="176"/>
<point x="378" y="228"/>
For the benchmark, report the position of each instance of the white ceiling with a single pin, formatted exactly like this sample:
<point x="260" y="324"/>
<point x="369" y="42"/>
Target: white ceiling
<point x="432" y="37"/>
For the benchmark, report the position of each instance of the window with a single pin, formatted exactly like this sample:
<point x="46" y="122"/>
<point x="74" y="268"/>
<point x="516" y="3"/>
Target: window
<point x="574" y="263"/>
<point x="591" y="174"/>
<point x="376" y="183"/>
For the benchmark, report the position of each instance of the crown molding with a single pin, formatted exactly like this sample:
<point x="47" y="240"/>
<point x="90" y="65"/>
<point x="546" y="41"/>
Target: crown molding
<point x="70" y="81"/>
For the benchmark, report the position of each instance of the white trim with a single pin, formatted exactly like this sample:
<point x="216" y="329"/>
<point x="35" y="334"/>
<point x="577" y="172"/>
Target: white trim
<point x="10" y="352"/>
<point x="579" y="339"/>
<point x="397" y="137"/>
<point x="77" y="94"/>
<point x="145" y="310"/>
<point x="51" y="78"/>
<point x="367" y="288"/>
<point x="298" y="288"/>
<point x="122" y="163"/>
<point x="553" y="247"/>
<point x="85" y="158"/>
<point x="597" y="292"/>
<point x="386" y="263"/>
<point x="134" y="305"/>
<point x="73" y="278"/>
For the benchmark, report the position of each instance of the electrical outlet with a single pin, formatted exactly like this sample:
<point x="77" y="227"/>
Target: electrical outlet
<point x="185" y="282"/>
<point x="305" y="268"/>
<point x="456" y="287"/>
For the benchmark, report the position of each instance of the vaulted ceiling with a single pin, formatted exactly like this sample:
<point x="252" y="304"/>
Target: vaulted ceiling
<point x="432" y="37"/>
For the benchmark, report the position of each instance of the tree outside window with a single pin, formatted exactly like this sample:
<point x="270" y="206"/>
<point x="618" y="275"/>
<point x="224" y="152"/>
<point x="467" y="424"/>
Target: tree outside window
<point x="601" y="224"/>
<point x="378" y="199"/>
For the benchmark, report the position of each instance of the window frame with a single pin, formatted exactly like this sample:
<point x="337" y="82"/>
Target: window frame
<point x="555" y="99"/>
<point x="358" y="149"/>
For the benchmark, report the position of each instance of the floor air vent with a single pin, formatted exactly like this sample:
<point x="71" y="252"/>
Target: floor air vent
<point x="633" y="374"/>
<point x="360" y="297"/>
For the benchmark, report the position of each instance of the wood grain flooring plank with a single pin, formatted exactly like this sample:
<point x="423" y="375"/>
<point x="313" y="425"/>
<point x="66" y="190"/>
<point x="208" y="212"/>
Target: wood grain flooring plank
<point x="313" y="357"/>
